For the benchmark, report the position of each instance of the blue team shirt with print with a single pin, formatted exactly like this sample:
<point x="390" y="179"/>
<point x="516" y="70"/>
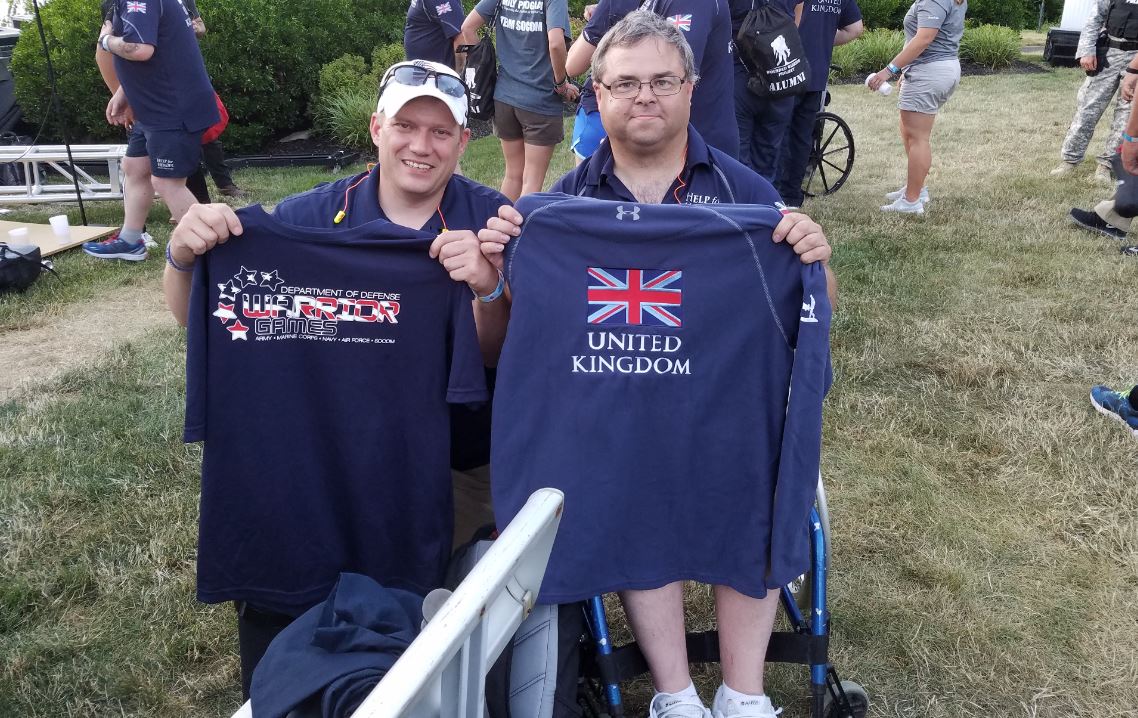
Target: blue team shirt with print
<point x="430" y="30"/>
<point x="706" y="25"/>
<point x="171" y="90"/>
<point x="525" y="74"/>
<point x="321" y="364"/>
<point x="665" y="368"/>
<point x="821" y="19"/>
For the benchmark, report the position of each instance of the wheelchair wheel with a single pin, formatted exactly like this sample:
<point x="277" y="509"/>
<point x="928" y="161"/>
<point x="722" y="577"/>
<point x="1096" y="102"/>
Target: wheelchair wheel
<point x="857" y="697"/>
<point x="831" y="157"/>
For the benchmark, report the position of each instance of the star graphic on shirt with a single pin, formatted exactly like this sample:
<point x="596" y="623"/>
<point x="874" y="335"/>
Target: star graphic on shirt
<point x="229" y="290"/>
<point x="238" y="331"/>
<point x="224" y="312"/>
<point x="245" y="277"/>
<point x="271" y="280"/>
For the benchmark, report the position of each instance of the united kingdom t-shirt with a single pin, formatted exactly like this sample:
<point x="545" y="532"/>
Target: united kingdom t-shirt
<point x="320" y="368"/>
<point x="665" y="368"/>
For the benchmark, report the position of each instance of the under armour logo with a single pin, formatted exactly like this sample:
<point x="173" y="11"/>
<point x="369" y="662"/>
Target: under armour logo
<point x="809" y="317"/>
<point x="621" y="211"/>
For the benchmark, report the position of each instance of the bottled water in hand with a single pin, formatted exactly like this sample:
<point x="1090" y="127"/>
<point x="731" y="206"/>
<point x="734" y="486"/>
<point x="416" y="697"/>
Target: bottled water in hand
<point x="884" y="88"/>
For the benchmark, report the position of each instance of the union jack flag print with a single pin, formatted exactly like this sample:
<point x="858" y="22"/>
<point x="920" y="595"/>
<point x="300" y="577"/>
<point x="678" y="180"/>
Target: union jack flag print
<point x="683" y="22"/>
<point x="631" y="297"/>
<point x="132" y="6"/>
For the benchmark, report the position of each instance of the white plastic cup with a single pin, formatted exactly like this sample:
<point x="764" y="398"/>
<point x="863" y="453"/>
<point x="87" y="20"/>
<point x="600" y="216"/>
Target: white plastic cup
<point x="884" y="89"/>
<point x="60" y="227"/>
<point x="19" y="234"/>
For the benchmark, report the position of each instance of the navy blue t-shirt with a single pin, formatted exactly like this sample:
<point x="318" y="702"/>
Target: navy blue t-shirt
<point x="708" y="177"/>
<point x="465" y="205"/>
<point x="319" y="372"/>
<point x="821" y="19"/>
<point x="171" y="90"/>
<point x="665" y="368"/>
<point x="430" y="30"/>
<point x="706" y="25"/>
<point x="607" y="14"/>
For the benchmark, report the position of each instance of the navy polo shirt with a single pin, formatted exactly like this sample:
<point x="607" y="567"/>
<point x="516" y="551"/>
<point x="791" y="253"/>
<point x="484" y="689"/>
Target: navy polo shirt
<point x="706" y="25"/>
<point x="820" y="20"/>
<point x="171" y="90"/>
<point x="709" y="176"/>
<point x="607" y="14"/>
<point x="430" y="30"/>
<point x="465" y="205"/>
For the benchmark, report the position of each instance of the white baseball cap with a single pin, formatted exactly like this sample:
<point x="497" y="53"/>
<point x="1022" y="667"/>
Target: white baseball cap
<point x="404" y="81"/>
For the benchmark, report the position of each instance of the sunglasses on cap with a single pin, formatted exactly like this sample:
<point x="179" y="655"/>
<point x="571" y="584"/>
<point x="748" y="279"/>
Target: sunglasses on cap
<point x="414" y="75"/>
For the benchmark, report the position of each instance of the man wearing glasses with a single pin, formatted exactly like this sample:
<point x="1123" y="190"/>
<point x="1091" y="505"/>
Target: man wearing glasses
<point x="419" y="129"/>
<point x="644" y="74"/>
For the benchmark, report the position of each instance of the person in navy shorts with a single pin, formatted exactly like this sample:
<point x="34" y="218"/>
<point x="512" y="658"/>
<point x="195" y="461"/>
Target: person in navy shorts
<point x="165" y="87"/>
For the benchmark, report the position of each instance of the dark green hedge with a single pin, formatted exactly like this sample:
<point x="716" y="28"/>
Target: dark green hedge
<point x="1017" y="14"/>
<point x="264" y="57"/>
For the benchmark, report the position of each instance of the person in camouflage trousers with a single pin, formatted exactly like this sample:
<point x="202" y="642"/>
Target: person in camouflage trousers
<point x="1111" y="17"/>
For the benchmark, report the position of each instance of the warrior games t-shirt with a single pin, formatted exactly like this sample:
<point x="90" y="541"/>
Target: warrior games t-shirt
<point x="320" y="366"/>
<point x="665" y="368"/>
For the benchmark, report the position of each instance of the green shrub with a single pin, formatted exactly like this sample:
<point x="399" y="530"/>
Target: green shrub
<point x="264" y="57"/>
<point x="990" y="45"/>
<point x="887" y="14"/>
<point x="347" y="72"/>
<point x="346" y="117"/>
<point x="1016" y="14"/>
<point x="877" y="48"/>
<point x="383" y="57"/>
<point x="71" y="27"/>
<point x="847" y="60"/>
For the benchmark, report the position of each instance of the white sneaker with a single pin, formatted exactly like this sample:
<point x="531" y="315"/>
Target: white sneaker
<point x="760" y="707"/>
<point x="148" y="240"/>
<point x="1064" y="168"/>
<point x="894" y="196"/>
<point x="904" y="206"/>
<point x="673" y="705"/>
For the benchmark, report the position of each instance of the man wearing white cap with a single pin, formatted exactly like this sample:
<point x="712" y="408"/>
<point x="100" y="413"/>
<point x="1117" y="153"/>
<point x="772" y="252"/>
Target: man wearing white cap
<point x="419" y="129"/>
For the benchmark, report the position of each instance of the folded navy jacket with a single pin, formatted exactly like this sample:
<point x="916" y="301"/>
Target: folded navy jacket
<point x="337" y="651"/>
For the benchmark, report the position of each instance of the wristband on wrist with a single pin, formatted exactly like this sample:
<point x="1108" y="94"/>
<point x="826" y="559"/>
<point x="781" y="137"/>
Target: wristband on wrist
<point x="1128" y="138"/>
<point x="893" y="69"/>
<point x="177" y="267"/>
<point x="105" y="42"/>
<point x="563" y="83"/>
<point x="497" y="290"/>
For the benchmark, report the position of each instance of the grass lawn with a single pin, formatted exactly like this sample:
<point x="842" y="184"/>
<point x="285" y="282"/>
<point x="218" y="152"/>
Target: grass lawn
<point x="985" y="518"/>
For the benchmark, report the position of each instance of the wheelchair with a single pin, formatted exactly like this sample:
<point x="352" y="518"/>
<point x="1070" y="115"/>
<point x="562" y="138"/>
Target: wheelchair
<point x="831" y="154"/>
<point x="604" y="667"/>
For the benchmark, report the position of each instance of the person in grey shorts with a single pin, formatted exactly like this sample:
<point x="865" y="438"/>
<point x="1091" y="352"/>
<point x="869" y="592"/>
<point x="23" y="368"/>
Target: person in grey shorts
<point x="1119" y="21"/>
<point x="532" y="42"/>
<point x="929" y="66"/>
